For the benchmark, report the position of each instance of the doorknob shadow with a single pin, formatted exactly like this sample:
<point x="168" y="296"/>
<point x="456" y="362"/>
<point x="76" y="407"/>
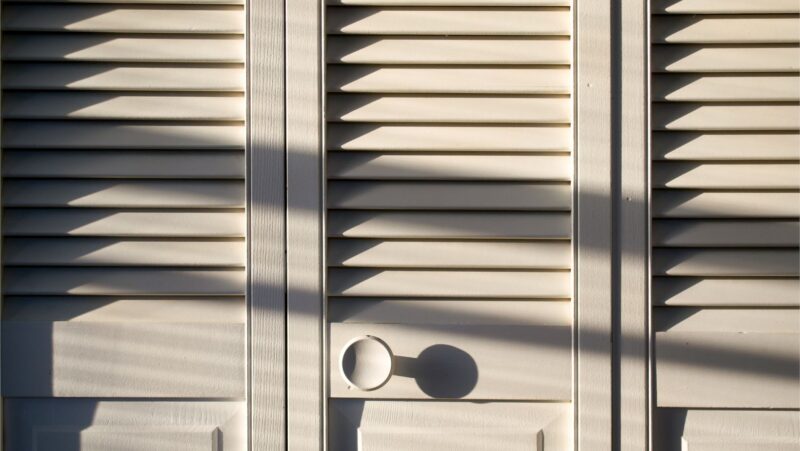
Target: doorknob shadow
<point x="441" y="371"/>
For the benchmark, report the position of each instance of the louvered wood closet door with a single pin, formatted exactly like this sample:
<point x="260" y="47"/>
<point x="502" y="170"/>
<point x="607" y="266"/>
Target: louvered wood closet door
<point x="725" y="208"/>
<point x="123" y="320"/>
<point x="448" y="190"/>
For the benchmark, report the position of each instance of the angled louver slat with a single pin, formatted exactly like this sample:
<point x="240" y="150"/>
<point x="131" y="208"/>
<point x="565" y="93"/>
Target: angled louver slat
<point x="425" y="50"/>
<point x="121" y="77"/>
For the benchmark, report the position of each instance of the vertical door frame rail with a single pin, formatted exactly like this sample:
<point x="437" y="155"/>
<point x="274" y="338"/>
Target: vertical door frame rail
<point x="593" y="219"/>
<point x="266" y="226"/>
<point x="305" y="213"/>
<point x="632" y="228"/>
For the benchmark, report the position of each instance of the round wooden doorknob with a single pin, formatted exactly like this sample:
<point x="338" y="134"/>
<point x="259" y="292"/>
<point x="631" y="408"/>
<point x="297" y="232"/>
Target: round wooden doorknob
<point x="366" y="363"/>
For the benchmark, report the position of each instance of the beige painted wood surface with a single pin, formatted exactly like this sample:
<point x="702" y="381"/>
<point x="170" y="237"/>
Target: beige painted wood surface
<point x="178" y="164"/>
<point x="631" y="324"/>
<point x="485" y="21"/>
<point x="425" y="50"/>
<point x="448" y="191"/>
<point x="382" y="166"/>
<point x="452" y="196"/>
<point x="593" y="234"/>
<point x="122" y="135"/>
<point x="725" y="146"/>
<point x="124" y="224"/>
<point x="462" y="225"/>
<point x="266" y="290"/>
<point x="467" y="283"/>
<point x="305" y="388"/>
<point x="457" y="425"/>
<point x="432" y="110"/>
<point x="464" y="138"/>
<point x="724" y="6"/>
<point x="449" y="254"/>
<point x="121" y="19"/>
<point x="539" y="369"/>
<point x="725" y="180"/>
<point x="196" y="48"/>
<point x="483" y="80"/>
<point x="121" y="77"/>
<point x="62" y="424"/>
<point x="83" y="105"/>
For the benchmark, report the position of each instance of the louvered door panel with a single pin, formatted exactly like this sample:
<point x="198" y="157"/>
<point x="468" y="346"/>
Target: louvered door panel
<point x="725" y="207"/>
<point x="448" y="138"/>
<point x="123" y="224"/>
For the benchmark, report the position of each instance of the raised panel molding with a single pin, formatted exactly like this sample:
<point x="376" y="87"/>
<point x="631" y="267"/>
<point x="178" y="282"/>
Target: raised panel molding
<point x="420" y="439"/>
<point x="105" y="438"/>
<point x="130" y="425"/>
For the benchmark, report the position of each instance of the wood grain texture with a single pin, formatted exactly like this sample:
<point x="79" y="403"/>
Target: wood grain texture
<point x="724" y="204"/>
<point x="451" y="196"/>
<point x="725" y="146"/>
<point x="735" y="176"/>
<point x="432" y="110"/>
<point x="211" y="359"/>
<point x="178" y="164"/>
<point x="449" y="254"/>
<point x="119" y="423"/>
<point x="468" y="426"/>
<point x="123" y="193"/>
<point x="632" y="331"/>
<point x="466" y="138"/>
<point x="139" y="49"/>
<point x="593" y="235"/>
<point x="451" y="2"/>
<point x="724" y="6"/>
<point x="267" y="266"/>
<point x="381" y="166"/>
<point x="697" y="58"/>
<point x="118" y="252"/>
<point x="513" y="362"/>
<point x="305" y="389"/>
<point x="448" y="187"/>
<point x="459" y="283"/>
<point x="451" y="80"/>
<point x="417" y="312"/>
<point x="123" y="223"/>
<point x="122" y="135"/>
<point x="725" y="231"/>
<point x="720" y="369"/>
<point x="734" y="429"/>
<point x="462" y="21"/>
<point x="424" y="50"/>
<point x="726" y="88"/>
<point x="129" y="268"/>
<point x="726" y="262"/>
<point x="725" y="30"/>
<point x="91" y="281"/>
<point x="123" y="19"/>
<point x="108" y="106"/>
<point x="122" y="77"/>
<point x="744" y="292"/>
<point x="449" y="225"/>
